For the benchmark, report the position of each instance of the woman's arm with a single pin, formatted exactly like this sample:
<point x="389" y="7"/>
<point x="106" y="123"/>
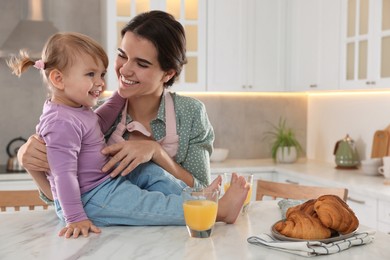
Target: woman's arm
<point x="32" y="156"/>
<point x="43" y="184"/>
<point x="130" y="154"/>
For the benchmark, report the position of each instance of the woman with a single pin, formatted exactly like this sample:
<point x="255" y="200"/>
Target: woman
<point x="150" y="58"/>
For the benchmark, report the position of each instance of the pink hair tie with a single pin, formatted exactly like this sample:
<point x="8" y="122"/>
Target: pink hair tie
<point x="39" y="64"/>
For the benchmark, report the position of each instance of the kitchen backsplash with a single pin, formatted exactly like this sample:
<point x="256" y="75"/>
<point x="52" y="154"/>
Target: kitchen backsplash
<point x="240" y="121"/>
<point x="333" y="115"/>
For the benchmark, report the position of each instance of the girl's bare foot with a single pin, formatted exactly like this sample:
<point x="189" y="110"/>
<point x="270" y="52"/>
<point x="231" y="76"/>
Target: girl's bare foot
<point x="229" y="206"/>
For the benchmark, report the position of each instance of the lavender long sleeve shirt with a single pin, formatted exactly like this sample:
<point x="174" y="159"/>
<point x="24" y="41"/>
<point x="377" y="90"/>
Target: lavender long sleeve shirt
<point x="74" y="140"/>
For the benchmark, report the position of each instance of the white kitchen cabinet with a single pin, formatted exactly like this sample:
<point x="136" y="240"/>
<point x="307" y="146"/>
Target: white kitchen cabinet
<point x="246" y="45"/>
<point x="384" y="216"/>
<point x="287" y="178"/>
<point x="191" y="14"/>
<point x="313" y="45"/>
<point x="383" y="227"/>
<point x="365" y="44"/>
<point x="365" y="208"/>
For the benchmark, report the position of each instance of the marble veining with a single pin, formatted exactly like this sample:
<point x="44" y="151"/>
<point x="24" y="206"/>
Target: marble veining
<point x="34" y="235"/>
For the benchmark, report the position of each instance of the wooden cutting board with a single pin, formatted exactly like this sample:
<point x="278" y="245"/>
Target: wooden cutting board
<point x="380" y="145"/>
<point x="388" y="132"/>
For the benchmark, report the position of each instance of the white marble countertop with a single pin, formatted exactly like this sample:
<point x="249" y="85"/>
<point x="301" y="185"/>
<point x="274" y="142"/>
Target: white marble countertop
<point x="33" y="235"/>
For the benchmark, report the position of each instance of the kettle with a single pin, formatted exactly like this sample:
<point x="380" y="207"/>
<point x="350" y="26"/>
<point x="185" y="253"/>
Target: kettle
<point x="345" y="152"/>
<point x="13" y="164"/>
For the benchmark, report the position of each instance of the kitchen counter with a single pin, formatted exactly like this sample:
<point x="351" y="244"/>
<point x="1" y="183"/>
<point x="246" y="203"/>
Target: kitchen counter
<point x="316" y="172"/>
<point x="33" y="234"/>
<point x="322" y="173"/>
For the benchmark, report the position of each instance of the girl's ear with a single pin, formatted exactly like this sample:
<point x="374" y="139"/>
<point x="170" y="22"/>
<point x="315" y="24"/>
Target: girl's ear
<point x="57" y="79"/>
<point x="168" y="75"/>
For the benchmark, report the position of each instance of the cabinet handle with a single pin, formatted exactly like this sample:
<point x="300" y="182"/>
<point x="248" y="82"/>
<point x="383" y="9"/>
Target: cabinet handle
<point x="368" y="83"/>
<point x="357" y="201"/>
<point x="313" y="86"/>
<point x="292" y="182"/>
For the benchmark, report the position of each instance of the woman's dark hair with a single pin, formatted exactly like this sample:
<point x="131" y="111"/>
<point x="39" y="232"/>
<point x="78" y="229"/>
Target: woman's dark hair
<point x="166" y="34"/>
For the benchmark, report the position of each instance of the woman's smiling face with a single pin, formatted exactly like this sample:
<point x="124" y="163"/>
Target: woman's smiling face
<point x="138" y="70"/>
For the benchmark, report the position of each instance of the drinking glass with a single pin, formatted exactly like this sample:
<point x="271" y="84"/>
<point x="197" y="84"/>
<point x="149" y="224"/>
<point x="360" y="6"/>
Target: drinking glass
<point x="200" y="210"/>
<point x="249" y="179"/>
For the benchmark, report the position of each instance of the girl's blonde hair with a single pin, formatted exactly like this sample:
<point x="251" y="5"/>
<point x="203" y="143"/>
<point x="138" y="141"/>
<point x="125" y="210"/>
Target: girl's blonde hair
<point x="59" y="52"/>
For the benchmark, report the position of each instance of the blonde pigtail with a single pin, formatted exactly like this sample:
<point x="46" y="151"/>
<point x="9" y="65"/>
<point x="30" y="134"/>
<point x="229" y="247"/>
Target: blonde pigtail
<point x="19" y="64"/>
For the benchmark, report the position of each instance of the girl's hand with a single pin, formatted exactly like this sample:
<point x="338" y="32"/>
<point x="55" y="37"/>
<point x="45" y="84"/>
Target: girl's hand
<point x="129" y="154"/>
<point x="76" y="228"/>
<point x="32" y="155"/>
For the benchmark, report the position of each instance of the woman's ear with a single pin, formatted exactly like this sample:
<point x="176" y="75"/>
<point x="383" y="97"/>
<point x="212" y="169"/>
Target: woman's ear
<point x="57" y="79"/>
<point x="168" y="75"/>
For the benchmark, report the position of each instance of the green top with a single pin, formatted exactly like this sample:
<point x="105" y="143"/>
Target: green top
<point x="196" y="135"/>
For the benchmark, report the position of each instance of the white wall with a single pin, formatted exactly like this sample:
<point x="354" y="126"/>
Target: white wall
<point x="332" y="116"/>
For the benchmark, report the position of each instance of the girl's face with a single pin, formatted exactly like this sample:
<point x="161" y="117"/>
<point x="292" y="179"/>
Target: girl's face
<point x="81" y="84"/>
<point x="138" y="70"/>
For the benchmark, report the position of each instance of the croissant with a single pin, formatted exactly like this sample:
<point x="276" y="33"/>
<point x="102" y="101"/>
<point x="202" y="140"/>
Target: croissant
<point x="334" y="213"/>
<point x="301" y="225"/>
<point x="307" y="207"/>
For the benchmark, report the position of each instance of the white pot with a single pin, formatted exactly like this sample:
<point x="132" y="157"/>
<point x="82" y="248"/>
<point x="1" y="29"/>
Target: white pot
<point x="286" y="154"/>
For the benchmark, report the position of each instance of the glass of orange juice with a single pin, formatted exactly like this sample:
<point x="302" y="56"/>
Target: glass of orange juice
<point x="200" y="210"/>
<point x="249" y="179"/>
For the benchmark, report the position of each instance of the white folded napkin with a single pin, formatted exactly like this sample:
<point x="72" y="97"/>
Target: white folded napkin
<point x="312" y="248"/>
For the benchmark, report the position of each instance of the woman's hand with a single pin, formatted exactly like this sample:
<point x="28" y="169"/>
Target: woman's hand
<point x="32" y="155"/>
<point x="129" y="154"/>
<point x="82" y="227"/>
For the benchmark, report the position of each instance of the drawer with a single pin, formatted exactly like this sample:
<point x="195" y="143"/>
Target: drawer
<point x="384" y="211"/>
<point x="384" y="227"/>
<point x="365" y="209"/>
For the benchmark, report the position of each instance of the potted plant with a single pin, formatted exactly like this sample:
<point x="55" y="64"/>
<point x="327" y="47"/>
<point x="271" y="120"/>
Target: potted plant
<point x="285" y="146"/>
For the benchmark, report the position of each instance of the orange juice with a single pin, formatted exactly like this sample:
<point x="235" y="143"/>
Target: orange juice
<point x="200" y="214"/>
<point x="226" y="186"/>
<point x="248" y="197"/>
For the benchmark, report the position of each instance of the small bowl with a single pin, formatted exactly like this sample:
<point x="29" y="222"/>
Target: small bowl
<point x="219" y="154"/>
<point x="370" y="166"/>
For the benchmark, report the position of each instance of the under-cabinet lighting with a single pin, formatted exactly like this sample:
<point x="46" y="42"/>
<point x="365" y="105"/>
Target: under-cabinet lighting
<point x="276" y="94"/>
<point x="350" y="93"/>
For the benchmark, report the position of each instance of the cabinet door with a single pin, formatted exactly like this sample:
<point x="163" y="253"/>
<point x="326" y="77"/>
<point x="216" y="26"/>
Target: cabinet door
<point x="245" y="45"/>
<point x="266" y="45"/>
<point x="313" y="45"/>
<point x="365" y="209"/>
<point x="366" y="44"/>
<point x="191" y="14"/>
<point x="226" y="55"/>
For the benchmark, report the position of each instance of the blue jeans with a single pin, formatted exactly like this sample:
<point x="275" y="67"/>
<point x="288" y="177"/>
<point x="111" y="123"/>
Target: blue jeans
<point x="147" y="196"/>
